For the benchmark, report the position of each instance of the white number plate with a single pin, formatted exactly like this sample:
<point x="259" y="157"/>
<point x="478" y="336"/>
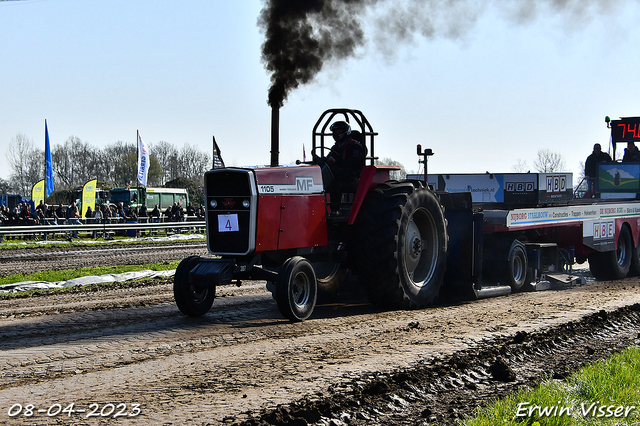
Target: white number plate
<point x="228" y="223"/>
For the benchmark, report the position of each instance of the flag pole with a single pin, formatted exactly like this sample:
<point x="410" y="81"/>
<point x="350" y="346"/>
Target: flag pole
<point x="137" y="165"/>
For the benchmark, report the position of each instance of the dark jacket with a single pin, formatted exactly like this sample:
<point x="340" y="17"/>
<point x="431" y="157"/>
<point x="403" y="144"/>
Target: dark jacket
<point x="631" y="156"/>
<point x="348" y="156"/>
<point x="592" y="161"/>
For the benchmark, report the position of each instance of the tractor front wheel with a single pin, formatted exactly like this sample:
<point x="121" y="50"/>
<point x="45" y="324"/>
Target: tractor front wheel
<point x="296" y="289"/>
<point x="191" y="301"/>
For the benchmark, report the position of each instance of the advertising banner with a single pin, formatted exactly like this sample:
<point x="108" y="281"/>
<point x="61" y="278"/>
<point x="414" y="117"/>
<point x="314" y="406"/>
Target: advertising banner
<point x="88" y="197"/>
<point x="37" y="193"/>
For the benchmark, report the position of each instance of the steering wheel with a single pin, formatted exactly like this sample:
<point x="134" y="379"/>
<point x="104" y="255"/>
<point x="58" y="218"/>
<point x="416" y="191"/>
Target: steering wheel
<point x="320" y="158"/>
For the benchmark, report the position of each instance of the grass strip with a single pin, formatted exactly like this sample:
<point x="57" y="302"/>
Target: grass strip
<point x="606" y="392"/>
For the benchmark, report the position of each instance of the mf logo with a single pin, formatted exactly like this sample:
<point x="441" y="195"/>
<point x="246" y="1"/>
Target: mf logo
<point x="304" y="184"/>
<point x="557" y="183"/>
<point x="519" y="186"/>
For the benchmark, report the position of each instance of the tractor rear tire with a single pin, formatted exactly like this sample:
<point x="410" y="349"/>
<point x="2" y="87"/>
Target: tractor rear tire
<point x="191" y="301"/>
<point x="614" y="264"/>
<point x="296" y="289"/>
<point x="401" y="239"/>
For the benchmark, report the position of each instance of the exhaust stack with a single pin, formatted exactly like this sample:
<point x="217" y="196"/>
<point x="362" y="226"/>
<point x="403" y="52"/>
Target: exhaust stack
<point x="275" y="135"/>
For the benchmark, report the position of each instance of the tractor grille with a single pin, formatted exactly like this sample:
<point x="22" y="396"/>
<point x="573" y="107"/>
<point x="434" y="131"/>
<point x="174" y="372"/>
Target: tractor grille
<point x="231" y="211"/>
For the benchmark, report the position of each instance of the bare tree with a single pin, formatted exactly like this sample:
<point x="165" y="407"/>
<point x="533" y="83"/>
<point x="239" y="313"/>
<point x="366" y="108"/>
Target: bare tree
<point x="74" y="163"/>
<point x="167" y="156"/>
<point x="520" y="166"/>
<point x="549" y="161"/>
<point x="19" y="155"/>
<point x="193" y="163"/>
<point x="5" y="187"/>
<point x="394" y="174"/>
<point x="154" y="175"/>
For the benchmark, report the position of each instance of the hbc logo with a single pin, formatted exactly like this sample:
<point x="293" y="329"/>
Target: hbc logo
<point x="557" y="183"/>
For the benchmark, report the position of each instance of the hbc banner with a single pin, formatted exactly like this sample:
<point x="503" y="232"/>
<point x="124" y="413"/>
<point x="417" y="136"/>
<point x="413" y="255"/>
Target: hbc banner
<point x="37" y="193"/>
<point x="88" y="197"/>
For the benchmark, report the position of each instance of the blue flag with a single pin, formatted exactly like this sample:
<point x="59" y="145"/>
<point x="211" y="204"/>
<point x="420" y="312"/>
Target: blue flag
<point x="48" y="184"/>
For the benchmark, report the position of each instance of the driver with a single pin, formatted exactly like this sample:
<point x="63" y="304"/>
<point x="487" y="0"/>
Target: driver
<point x="346" y="161"/>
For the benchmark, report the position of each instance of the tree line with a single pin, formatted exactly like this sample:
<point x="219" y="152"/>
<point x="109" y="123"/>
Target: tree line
<point x="75" y="162"/>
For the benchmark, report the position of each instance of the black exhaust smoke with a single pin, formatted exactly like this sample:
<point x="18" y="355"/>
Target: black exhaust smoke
<point x="301" y="36"/>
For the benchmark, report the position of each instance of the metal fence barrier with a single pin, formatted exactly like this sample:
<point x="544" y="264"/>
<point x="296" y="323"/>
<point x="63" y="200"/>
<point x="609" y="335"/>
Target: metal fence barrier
<point x="105" y="229"/>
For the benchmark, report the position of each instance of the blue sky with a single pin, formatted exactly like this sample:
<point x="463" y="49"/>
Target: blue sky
<point x="183" y="71"/>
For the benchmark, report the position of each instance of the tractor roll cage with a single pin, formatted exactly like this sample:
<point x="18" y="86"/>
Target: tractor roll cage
<point x="360" y="128"/>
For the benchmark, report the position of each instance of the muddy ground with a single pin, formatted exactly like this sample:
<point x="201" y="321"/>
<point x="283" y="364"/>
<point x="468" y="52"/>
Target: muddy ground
<point x="125" y="351"/>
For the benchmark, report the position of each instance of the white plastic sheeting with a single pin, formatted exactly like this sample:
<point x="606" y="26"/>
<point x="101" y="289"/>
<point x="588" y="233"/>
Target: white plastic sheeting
<point x="107" y="278"/>
<point x="174" y="237"/>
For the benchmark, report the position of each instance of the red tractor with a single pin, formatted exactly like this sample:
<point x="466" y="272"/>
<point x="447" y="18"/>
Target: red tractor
<point x="272" y="223"/>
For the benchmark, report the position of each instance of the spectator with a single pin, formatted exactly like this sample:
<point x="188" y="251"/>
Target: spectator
<point x="40" y="210"/>
<point x="120" y="213"/>
<point x="143" y="211"/>
<point x="591" y="166"/>
<point x="40" y="213"/>
<point x="133" y="214"/>
<point x="50" y="216"/>
<point x="73" y="216"/>
<point x="26" y="217"/>
<point x="61" y="214"/>
<point x="175" y="212"/>
<point x="89" y="215"/>
<point x="168" y="215"/>
<point x="191" y="211"/>
<point x="106" y="213"/>
<point x="631" y="153"/>
<point x="97" y="215"/>
<point x="200" y="212"/>
<point x="4" y="214"/>
<point x="155" y="213"/>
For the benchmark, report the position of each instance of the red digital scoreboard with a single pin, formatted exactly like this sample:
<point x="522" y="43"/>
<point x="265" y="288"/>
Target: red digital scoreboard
<point x="625" y="130"/>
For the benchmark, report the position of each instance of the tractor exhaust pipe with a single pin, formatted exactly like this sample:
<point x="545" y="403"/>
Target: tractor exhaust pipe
<point x="275" y="135"/>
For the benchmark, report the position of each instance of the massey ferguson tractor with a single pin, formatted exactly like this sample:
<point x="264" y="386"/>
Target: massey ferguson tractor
<point x="272" y="223"/>
<point x="463" y="235"/>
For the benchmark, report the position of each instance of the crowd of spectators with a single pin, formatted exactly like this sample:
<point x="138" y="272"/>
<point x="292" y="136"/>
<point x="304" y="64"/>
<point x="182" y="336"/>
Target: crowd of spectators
<point x="25" y="214"/>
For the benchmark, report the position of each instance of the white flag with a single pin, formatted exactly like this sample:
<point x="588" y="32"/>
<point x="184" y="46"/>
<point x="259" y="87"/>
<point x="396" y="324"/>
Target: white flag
<point x="143" y="160"/>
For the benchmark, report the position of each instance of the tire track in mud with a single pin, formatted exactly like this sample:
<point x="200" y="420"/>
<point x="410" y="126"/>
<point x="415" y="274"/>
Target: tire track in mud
<point x="445" y="390"/>
<point x="242" y="357"/>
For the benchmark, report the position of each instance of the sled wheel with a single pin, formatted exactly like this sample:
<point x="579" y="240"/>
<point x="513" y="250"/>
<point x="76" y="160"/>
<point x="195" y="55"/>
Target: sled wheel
<point x="614" y="264"/>
<point x="514" y="273"/>
<point x="296" y="289"/>
<point x="635" y="262"/>
<point x="191" y="301"/>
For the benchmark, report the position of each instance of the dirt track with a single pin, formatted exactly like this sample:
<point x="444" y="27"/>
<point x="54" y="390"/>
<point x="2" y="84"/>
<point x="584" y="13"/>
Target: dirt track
<point x="348" y="364"/>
